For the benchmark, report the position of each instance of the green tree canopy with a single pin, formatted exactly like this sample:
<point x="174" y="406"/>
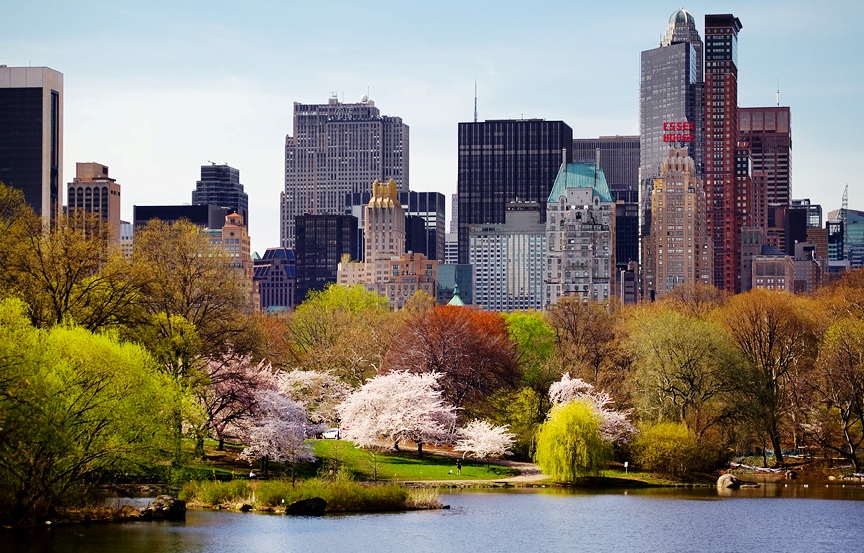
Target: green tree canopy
<point x="74" y="406"/>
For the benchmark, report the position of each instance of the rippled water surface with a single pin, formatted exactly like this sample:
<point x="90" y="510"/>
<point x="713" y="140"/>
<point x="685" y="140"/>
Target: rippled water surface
<point x="772" y="518"/>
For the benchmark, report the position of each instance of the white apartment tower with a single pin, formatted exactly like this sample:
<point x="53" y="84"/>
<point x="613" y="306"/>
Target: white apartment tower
<point x="336" y="150"/>
<point x="507" y="260"/>
<point x="580" y="231"/>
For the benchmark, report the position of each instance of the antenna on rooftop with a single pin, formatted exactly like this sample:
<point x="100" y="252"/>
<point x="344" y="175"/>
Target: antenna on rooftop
<point x="778" y="92"/>
<point x="475" y="101"/>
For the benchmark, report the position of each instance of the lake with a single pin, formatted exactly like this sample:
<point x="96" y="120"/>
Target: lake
<point x="790" y="517"/>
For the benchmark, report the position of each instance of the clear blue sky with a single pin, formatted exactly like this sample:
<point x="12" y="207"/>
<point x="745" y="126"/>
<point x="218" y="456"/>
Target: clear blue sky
<point x="156" y="89"/>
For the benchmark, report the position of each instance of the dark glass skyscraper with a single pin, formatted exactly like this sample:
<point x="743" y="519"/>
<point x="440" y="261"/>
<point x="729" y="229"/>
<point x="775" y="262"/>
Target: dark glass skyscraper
<point x="505" y="161"/>
<point x="31" y="135"/>
<point x="220" y="185"/>
<point x="670" y="99"/>
<point x="321" y="240"/>
<point x="619" y="159"/>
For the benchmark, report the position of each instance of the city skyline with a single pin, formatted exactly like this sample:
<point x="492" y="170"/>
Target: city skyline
<point x="156" y="92"/>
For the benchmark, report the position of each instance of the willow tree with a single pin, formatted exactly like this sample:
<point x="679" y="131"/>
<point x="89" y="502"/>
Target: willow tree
<point x="570" y="443"/>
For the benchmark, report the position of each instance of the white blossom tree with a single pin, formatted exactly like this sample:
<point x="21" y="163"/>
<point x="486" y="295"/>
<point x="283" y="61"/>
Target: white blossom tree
<point x="278" y="432"/>
<point x="614" y="426"/>
<point x="482" y="439"/>
<point x="319" y="391"/>
<point x="398" y="406"/>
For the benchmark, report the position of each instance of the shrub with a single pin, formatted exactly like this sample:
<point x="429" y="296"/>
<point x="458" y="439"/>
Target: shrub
<point x="215" y="492"/>
<point x="670" y="448"/>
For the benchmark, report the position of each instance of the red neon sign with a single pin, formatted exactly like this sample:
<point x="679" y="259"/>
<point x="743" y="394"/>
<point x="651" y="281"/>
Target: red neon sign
<point x="678" y="136"/>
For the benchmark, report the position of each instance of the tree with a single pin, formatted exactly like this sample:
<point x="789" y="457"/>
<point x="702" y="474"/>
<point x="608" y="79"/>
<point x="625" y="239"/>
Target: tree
<point x="278" y="432"/>
<point x="319" y="391"/>
<point x="570" y="444"/>
<point x="482" y="439"/>
<point x="183" y="275"/>
<point x="682" y="368"/>
<point x="776" y="333"/>
<point x="74" y="407"/>
<point x="669" y="447"/>
<point x="836" y="421"/>
<point x="614" y="426"/>
<point x="342" y="329"/>
<point x="585" y="335"/>
<point x="697" y="300"/>
<point x="73" y="273"/>
<point x="233" y="385"/>
<point x="469" y="349"/>
<point x="398" y="406"/>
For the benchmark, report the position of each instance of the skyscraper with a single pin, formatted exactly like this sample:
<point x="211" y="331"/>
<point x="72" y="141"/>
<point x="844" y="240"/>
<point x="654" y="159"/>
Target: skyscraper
<point x="768" y="133"/>
<point x="322" y="241"/>
<point x="338" y="149"/>
<point x="619" y="159"/>
<point x="670" y="106"/>
<point x="220" y="186"/>
<point x="725" y="184"/>
<point x="93" y="191"/>
<point x="31" y="136"/>
<point x="506" y="161"/>
<point x="680" y="249"/>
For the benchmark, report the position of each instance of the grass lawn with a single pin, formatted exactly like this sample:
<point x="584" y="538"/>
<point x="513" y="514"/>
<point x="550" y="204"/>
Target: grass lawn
<point x="402" y="465"/>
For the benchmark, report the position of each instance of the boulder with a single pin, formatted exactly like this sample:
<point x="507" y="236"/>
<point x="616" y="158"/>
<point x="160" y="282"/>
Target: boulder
<point x="165" y="507"/>
<point x="728" y="482"/>
<point x="312" y="507"/>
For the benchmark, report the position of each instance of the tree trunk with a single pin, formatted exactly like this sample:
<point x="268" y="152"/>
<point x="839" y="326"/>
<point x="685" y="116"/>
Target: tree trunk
<point x="199" y="448"/>
<point x="221" y="446"/>
<point x="419" y="449"/>
<point x="778" y="454"/>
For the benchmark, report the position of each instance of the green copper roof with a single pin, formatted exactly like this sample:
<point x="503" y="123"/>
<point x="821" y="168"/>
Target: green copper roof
<point x="456" y="300"/>
<point x="581" y="175"/>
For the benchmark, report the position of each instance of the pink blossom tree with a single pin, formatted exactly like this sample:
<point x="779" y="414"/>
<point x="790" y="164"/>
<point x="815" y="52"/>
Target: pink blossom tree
<point x="482" y="439"/>
<point x="230" y="387"/>
<point x="278" y="432"/>
<point x="614" y="426"/>
<point x="398" y="406"/>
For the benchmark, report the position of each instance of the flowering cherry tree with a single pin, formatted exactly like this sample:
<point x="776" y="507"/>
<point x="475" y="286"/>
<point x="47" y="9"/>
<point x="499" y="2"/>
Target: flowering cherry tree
<point x="398" y="406"/>
<point x="235" y="382"/>
<point x="319" y="391"/>
<point x="482" y="439"/>
<point x="614" y="426"/>
<point x="278" y="432"/>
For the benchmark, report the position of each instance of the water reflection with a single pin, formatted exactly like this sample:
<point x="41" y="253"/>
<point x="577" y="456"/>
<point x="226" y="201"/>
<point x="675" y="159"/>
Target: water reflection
<point x="784" y="517"/>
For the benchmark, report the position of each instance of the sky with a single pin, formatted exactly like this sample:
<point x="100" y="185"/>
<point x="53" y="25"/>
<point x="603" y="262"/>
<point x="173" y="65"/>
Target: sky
<point x="154" y="90"/>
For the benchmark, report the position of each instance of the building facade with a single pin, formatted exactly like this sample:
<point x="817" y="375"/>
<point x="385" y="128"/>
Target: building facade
<point x="220" y="186"/>
<point x="580" y="234"/>
<point x="321" y="242"/>
<point x="670" y="105"/>
<point x="508" y="259"/>
<point x="679" y="251"/>
<point x="768" y="134"/>
<point x="93" y="191"/>
<point x="618" y="157"/>
<point x="505" y="161"/>
<point x="336" y="150"/>
<point x="276" y="278"/>
<point x="31" y="136"/>
<point x="728" y="196"/>
<point x="207" y="216"/>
